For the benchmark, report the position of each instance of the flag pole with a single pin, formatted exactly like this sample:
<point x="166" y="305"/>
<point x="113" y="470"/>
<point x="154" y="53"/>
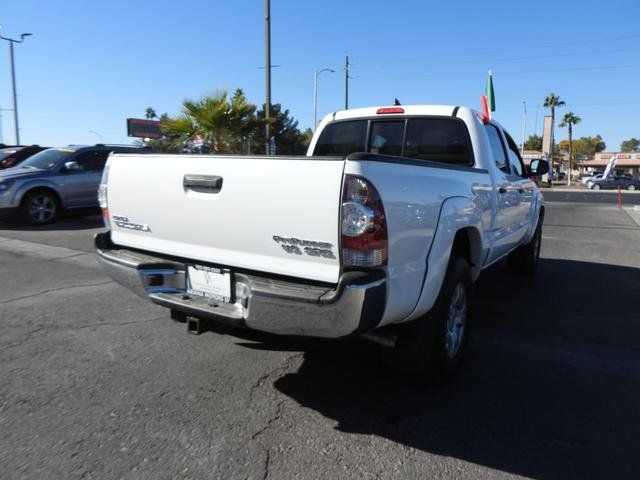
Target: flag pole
<point x="524" y="126"/>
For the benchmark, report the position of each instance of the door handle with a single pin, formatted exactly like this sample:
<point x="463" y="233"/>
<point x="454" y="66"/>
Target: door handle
<point x="502" y="190"/>
<point x="202" y="183"/>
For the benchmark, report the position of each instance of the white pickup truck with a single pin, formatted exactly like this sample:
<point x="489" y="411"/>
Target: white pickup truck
<point x="380" y="230"/>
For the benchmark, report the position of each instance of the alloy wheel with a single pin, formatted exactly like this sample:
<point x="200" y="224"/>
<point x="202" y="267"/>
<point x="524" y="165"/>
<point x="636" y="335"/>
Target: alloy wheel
<point x="456" y="321"/>
<point x="42" y="208"/>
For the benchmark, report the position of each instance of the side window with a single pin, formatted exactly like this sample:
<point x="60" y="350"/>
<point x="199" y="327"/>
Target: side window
<point x="497" y="148"/>
<point x="93" y="160"/>
<point x="386" y="138"/>
<point x="437" y="140"/>
<point x="515" y="162"/>
<point x="342" y="138"/>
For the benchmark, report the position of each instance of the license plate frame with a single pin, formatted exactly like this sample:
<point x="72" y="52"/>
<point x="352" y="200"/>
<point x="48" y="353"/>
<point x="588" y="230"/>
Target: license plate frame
<point x="213" y="283"/>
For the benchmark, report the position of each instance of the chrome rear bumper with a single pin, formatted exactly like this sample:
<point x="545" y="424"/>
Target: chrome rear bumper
<point x="286" y="307"/>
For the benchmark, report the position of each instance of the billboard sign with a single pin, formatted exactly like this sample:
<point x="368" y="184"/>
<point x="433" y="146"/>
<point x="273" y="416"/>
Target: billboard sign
<point x="138" y="127"/>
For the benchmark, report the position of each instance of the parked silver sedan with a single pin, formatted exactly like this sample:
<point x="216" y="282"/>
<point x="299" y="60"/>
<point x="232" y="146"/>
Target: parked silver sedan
<point x="56" y="179"/>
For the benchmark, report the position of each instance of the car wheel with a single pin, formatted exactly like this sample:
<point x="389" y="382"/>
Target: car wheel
<point x="631" y="188"/>
<point x="525" y="258"/>
<point x="431" y="350"/>
<point x="39" y="208"/>
<point x="595" y="187"/>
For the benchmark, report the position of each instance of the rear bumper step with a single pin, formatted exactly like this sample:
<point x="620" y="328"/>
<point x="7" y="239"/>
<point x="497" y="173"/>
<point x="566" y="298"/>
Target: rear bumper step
<point x="286" y="307"/>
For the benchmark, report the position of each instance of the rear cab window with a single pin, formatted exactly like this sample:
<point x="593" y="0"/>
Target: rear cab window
<point x="434" y="139"/>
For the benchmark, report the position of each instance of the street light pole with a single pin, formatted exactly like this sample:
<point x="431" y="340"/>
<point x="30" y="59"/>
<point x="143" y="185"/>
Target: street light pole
<point x="13" y="81"/>
<point x="98" y="134"/>
<point x="316" y="74"/>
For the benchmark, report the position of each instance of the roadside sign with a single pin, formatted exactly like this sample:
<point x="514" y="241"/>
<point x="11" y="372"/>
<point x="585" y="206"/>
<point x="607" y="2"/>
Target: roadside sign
<point x="138" y="127"/>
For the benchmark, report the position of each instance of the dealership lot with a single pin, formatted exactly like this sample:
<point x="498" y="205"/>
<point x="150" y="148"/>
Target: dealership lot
<point x="97" y="383"/>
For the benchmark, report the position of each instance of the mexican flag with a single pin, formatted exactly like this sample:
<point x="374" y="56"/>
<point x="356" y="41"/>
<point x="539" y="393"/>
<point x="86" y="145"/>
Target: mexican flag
<point x="491" y="98"/>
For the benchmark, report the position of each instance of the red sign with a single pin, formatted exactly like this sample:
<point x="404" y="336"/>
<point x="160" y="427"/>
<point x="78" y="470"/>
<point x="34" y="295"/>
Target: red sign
<point x="138" y="127"/>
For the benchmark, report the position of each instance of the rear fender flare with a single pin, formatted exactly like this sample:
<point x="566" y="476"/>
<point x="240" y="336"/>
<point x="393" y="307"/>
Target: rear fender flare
<point x="457" y="213"/>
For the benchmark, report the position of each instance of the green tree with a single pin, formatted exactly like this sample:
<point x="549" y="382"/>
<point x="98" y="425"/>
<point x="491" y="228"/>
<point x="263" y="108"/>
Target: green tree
<point x="631" y="145"/>
<point x="585" y="146"/>
<point x="150" y="113"/>
<point x="220" y="122"/>
<point x="284" y="128"/>
<point x="534" y="142"/>
<point x="569" y="120"/>
<point x="552" y="101"/>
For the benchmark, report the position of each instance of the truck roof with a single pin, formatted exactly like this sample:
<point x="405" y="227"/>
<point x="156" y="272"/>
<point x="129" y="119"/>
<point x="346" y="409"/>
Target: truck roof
<point x="446" y="110"/>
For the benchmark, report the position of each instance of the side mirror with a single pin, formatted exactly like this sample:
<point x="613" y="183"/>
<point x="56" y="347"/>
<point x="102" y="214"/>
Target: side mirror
<point x="72" y="167"/>
<point x="538" y="167"/>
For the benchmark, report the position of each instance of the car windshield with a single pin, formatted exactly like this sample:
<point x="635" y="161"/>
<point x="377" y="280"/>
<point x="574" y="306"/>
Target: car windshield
<point x="46" y="159"/>
<point x="5" y="152"/>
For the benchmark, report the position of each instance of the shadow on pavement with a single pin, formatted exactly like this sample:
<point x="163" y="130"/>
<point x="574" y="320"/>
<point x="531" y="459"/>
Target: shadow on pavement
<point x="506" y="411"/>
<point x="66" y="223"/>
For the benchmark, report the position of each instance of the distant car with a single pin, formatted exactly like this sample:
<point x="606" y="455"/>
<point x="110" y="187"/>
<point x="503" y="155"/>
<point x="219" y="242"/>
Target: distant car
<point x="614" y="181"/>
<point x="56" y="179"/>
<point x="12" y="156"/>
<point x="590" y="179"/>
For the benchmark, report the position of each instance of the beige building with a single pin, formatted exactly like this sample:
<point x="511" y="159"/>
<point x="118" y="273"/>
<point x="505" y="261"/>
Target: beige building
<point x="628" y="163"/>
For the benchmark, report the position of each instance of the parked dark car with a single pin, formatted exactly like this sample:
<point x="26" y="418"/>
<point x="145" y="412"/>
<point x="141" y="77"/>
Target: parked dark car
<point x="13" y="156"/>
<point x="56" y="180"/>
<point x="614" y="181"/>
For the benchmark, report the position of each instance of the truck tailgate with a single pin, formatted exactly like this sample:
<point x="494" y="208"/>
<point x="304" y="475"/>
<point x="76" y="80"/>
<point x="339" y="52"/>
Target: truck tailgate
<point x="269" y="214"/>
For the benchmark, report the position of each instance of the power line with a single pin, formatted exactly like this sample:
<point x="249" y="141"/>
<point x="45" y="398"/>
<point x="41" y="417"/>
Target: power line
<point x="512" y="72"/>
<point x="492" y="52"/>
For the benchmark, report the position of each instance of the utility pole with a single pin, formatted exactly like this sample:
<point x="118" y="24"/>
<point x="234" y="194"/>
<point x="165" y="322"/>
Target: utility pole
<point x="13" y="81"/>
<point x="346" y="82"/>
<point x="267" y="106"/>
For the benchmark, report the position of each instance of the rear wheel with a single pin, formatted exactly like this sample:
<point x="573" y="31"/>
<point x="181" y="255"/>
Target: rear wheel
<point x="631" y="188"/>
<point x="525" y="258"/>
<point x="433" y="348"/>
<point x="596" y="186"/>
<point x="39" y="208"/>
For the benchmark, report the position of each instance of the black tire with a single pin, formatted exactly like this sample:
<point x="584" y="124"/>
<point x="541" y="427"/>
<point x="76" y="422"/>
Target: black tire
<point x="631" y="187"/>
<point x="428" y="350"/>
<point x="525" y="258"/>
<point x="39" y="207"/>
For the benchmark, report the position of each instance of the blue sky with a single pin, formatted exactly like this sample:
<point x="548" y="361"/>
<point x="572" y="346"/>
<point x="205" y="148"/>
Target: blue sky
<point x="90" y="65"/>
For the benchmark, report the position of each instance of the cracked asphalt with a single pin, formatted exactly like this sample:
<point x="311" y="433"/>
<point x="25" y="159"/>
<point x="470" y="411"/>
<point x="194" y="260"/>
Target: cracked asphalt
<point x="96" y="383"/>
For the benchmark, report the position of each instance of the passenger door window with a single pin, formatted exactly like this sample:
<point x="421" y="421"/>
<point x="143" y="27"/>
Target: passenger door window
<point x="515" y="162"/>
<point x="497" y="148"/>
<point x="386" y="138"/>
<point x="92" y="161"/>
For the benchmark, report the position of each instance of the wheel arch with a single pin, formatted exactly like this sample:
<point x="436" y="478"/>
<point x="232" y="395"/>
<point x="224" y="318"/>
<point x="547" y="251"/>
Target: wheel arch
<point x="459" y="231"/>
<point x="467" y="243"/>
<point x="40" y="188"/>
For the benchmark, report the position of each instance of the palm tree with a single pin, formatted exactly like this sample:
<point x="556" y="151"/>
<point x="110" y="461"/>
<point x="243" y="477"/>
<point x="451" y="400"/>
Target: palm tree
<point x="569" y="120"/>
<point x="552" y="101"/>
<point x="150" y="113"/>
<point x="220" y="122"/>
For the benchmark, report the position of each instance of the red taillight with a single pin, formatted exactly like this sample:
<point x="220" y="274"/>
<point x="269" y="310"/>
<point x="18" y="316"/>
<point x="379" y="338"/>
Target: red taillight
<point x="382" y="111"/>
<point x="363" y="224"/>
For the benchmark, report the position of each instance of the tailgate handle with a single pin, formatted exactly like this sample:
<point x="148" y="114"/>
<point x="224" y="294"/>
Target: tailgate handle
<point x="202" y="183"/>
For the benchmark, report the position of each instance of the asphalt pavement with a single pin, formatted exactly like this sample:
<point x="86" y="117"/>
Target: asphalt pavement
<point x="97" y="383"/>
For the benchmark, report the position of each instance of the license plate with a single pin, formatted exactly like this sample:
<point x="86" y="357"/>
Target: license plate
<point x="209" y="282"/>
